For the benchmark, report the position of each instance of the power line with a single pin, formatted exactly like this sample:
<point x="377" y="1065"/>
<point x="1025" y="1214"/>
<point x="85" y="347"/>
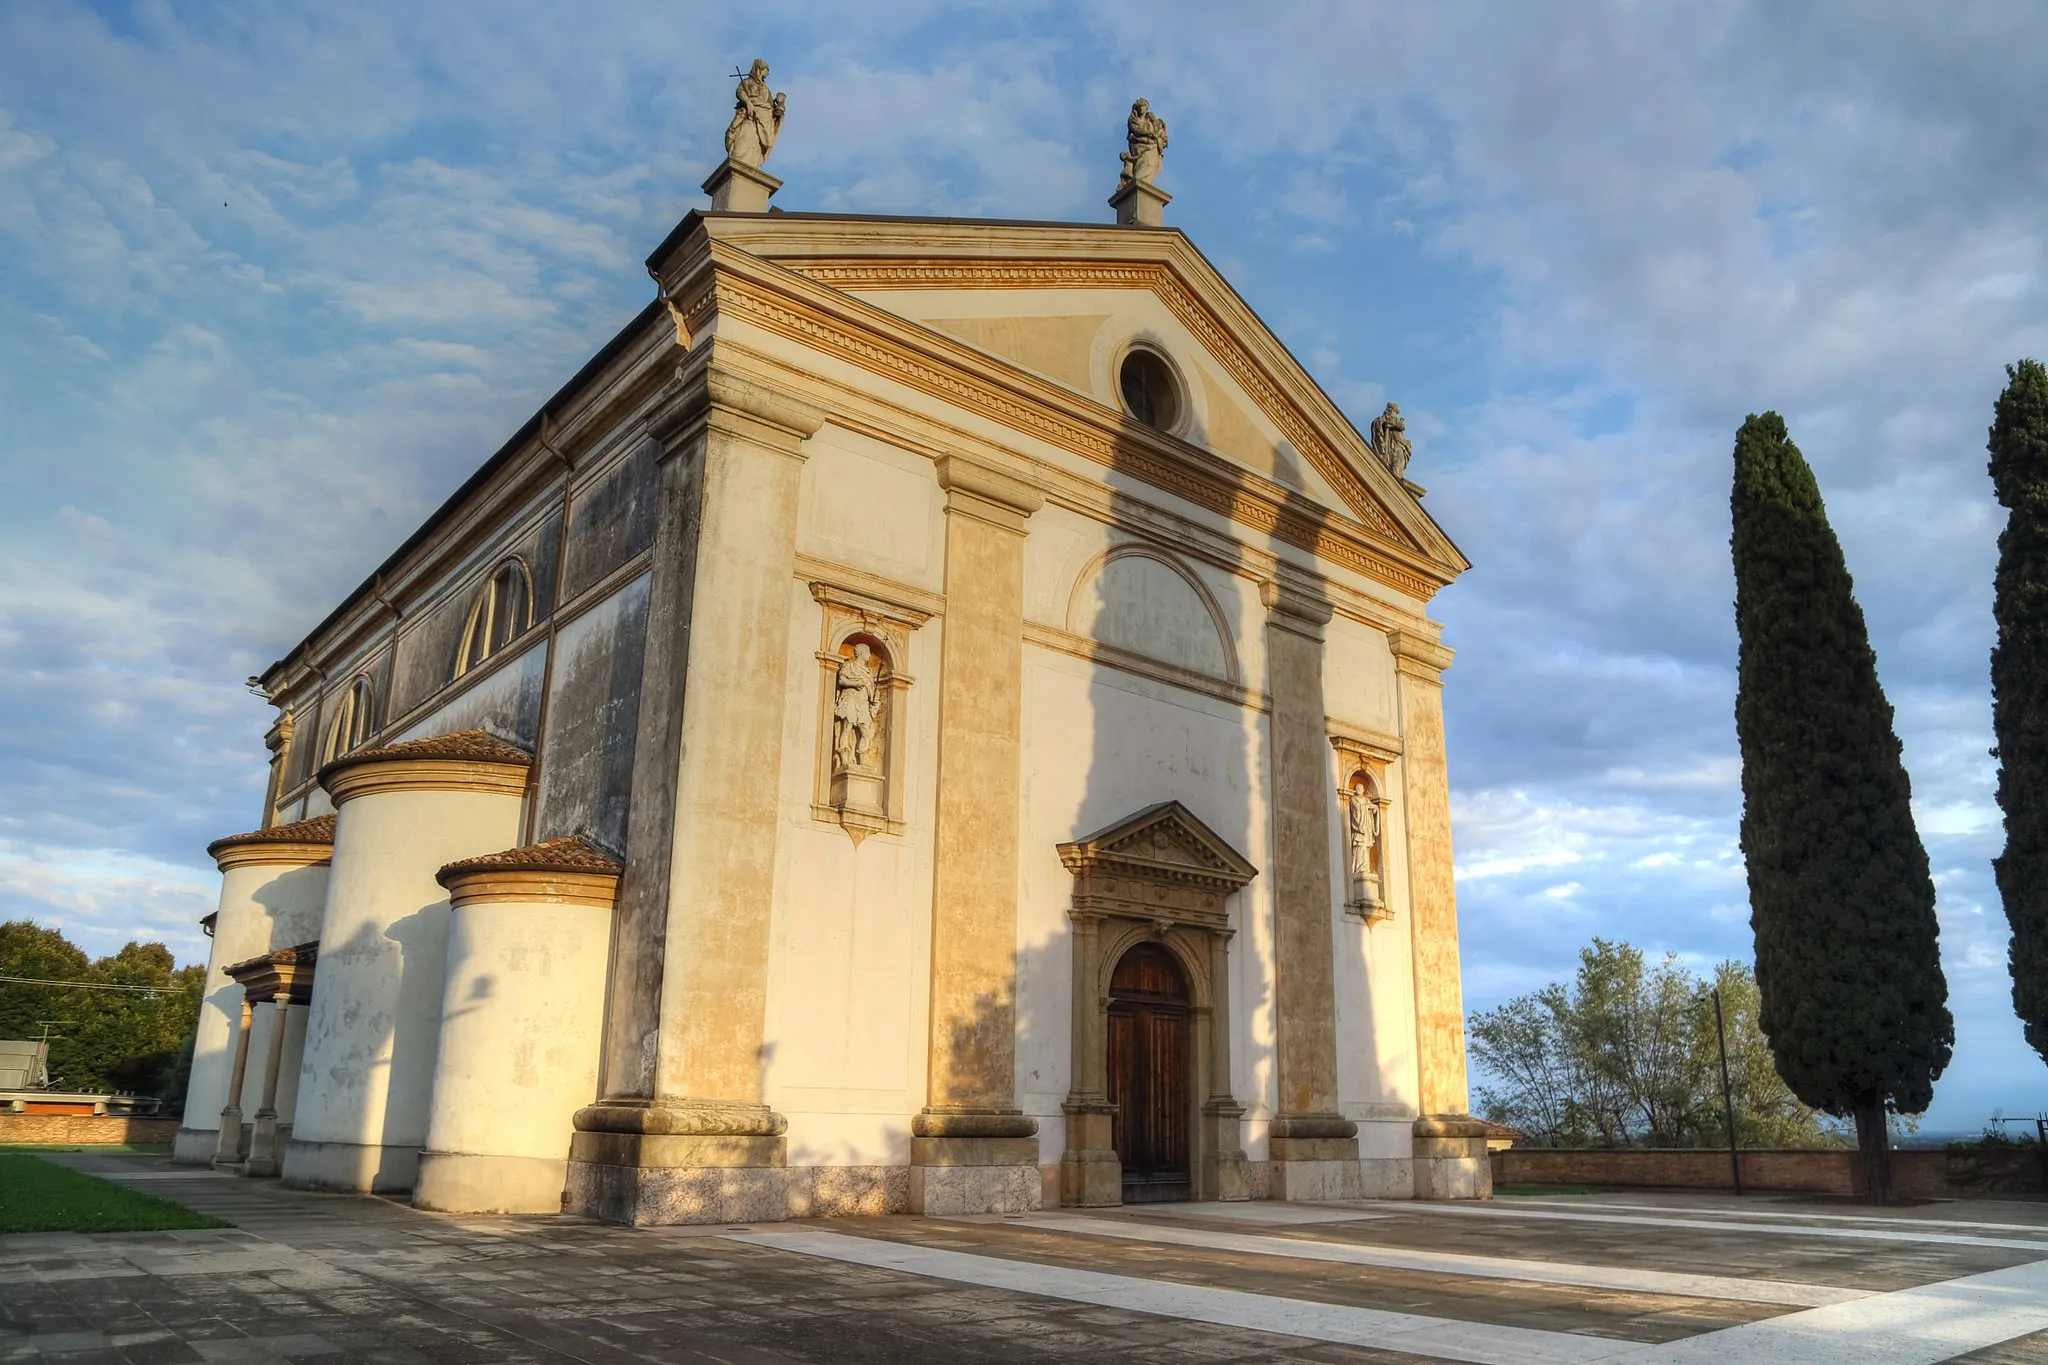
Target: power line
<point x="83" y="985"/>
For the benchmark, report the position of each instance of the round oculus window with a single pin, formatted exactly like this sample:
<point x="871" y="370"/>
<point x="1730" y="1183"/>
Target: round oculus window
<point x="1150" y="393"/>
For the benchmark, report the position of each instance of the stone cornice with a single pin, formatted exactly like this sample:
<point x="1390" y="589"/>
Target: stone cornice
<point x="302" y="844"/>
<point x="988" y="494"/>
<point x="467" y="760"/>
<point x="1419" y="656"/>
<point x="1290" y="608"/>
<point x="704" y="394"/>
<point x="568" y="871"/>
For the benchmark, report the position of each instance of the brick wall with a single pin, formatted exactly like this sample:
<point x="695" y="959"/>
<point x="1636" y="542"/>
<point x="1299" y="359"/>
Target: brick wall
<point x="84" y="1129"/>
<point x="1915" y="1174"/>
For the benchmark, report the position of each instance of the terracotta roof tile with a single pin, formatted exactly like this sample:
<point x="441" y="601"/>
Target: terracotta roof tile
<point x="475" y="746"/>
<point x="318" y="830"/>
<point x="573" y="854"/>
<point x="304" y="955"/>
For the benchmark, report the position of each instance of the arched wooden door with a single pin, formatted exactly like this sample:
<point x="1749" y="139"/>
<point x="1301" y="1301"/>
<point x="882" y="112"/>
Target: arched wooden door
<point x="1150" y="1059"/>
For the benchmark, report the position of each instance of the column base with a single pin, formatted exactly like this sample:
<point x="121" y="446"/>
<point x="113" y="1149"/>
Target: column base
<point x="985" y="1162"/>
<point x="1314" y="1159"/>
<point x="466" y="1182"/>
<point x="1451" y="1161"/>
<point x="1225" y="1174"/>
<point x="231" y="1145"/>
<point x="350" y="1167"/>
<point x="195" y="1146"/>
<point x="647" y="1163"/>
<point x="1091" y="1174"/>
<point x="266" y="1145"/>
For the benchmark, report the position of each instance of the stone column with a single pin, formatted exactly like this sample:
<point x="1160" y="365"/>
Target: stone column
<point x="520" y="1020"/>
<point x="1314" y="1149"/>
<point x="273" y="885"/>
<point x="1449" y="1145"/>
<point x="228" y="1148"/>
<point x="683" y="1134"/>
<point x="263" y="1146"/>
<point x="972" y="1151"/>
<point x="373" y="1026"/>
<point x="1091" y="1176"/>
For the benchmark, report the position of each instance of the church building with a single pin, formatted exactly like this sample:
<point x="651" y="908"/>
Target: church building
<point x="936" y="715"/>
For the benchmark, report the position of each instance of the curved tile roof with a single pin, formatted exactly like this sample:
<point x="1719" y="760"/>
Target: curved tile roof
<point x="572" y="854"/>
<point x="318" y="830"/>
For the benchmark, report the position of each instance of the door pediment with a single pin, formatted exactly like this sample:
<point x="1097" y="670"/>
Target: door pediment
<point x="1160" y="863"/>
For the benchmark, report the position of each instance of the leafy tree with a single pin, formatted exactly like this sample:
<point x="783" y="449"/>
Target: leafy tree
<point x="124" y="1040"/>
<point x="2019" y="683"/>
<point x="1627" y="1055"/>
<point x="1854" y="1000"/>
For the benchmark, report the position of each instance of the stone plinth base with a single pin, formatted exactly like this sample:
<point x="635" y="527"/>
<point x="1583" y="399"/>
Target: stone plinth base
<point x="266" y="1145"/>
<point x="740" y="189"/>
<point x="195" y="1146"/>
<point x="1139" y="204"/>
<point x="463" y="1182"/>
<point x="350" y="1167"/>
<point x="231" y="1146"/>
<point x="645" y="1163"/>
<point x="974" y="1163"/>
<point x="1091" y="1175"/>
<point x="1451" y="1158"/>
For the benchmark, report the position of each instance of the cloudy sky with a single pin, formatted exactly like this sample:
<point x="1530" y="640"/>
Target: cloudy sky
<point x="274" y="278"/>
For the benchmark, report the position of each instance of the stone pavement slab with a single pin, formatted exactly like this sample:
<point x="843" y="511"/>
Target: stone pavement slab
<point x="331" y="1279"/>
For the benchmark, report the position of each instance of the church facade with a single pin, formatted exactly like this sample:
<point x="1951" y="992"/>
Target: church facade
<point x="936" y="715"/>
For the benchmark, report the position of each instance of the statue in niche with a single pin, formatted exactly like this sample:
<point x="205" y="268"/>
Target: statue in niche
<point x="1147" y="132"/>
<point x="1365" y="826"/>
<point x="1390" y="440"/>
<point x="856" y="711"/>
<point x="756" y="119"/>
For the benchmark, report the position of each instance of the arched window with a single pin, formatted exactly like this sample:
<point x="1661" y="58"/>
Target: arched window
<point x="354" y="718"/>
<point x="503" y="609"/>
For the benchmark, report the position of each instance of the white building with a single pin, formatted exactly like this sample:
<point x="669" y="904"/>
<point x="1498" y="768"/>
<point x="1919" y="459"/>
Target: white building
<point x="936" y="715"/>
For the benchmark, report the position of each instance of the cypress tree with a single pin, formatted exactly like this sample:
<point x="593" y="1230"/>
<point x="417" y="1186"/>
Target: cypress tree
<point x="1841" y="901"/>
<point x="2019" y="683"/>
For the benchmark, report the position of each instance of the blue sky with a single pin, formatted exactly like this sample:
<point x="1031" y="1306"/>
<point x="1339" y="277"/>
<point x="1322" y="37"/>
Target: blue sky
<point x="274" y="278"/>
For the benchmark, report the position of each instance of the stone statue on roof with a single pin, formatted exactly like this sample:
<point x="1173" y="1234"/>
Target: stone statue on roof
<point x="756" y="118"/>
<point x="1390" y="440"/>
<point x="1148" y="145"/>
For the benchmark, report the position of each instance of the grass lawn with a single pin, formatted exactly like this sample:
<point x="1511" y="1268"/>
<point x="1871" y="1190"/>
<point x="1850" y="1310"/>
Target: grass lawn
<point x="37" y="1196"/>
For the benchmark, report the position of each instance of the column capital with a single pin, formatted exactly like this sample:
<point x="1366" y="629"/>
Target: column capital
<point x="1292" y="609"/>
<point x="708" y="395"/>
<point x="988" y="494"/>
<point x="1419" y="656"/>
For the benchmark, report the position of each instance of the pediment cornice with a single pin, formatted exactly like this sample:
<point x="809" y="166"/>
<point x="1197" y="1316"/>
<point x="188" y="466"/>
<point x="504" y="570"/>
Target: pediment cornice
<point x="1161" y="843"/>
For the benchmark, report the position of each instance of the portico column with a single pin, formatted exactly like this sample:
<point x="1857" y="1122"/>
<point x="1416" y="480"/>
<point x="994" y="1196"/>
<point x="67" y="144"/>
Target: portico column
<point x="972" y="1151"/>
<point x="1450" y="1146"/>
<point x="263" y="1152"/>
<point x="683" y="1133"/>
<point x="1314" y="1149"/>
<point x="229" y="1148"/>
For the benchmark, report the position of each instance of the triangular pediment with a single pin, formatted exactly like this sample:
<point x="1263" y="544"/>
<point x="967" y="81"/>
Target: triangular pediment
<point x="1024" y="295"/>
<point x="1165" y="839"/>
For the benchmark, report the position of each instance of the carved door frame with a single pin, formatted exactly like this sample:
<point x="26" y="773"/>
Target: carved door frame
<point x="1158" y="876"/>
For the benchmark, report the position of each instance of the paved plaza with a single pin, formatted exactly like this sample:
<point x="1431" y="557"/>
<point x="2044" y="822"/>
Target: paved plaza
<point x="1637" y="1278"/>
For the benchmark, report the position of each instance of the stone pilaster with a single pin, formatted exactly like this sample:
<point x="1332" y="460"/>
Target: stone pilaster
<point x="1449" y="1146"/>
<point x="684" y="1134"/>
<point x="972" y="1151"/>
<point x="1090" y="1174"/>
<point x="1314" y="1148"/>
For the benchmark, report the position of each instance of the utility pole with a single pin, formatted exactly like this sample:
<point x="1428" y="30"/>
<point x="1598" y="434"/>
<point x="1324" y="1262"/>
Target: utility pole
<point x="1727" y="1095"/>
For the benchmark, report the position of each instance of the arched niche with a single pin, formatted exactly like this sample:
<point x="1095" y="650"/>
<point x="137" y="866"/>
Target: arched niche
<point x="1363" y="804"/>
<point x="1142" y="601"/>
<point x="863" y="640"/>
<point x="1159" y="877"/>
